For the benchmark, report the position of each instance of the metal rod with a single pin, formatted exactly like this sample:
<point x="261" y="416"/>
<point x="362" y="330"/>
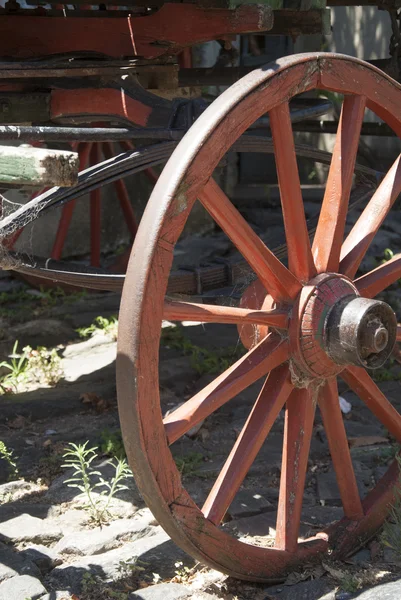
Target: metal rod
<point x="85" y="134"/>
<point x="300" y="111"/>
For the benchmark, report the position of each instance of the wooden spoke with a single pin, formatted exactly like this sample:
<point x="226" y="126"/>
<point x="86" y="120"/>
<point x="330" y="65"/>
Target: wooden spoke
<point x="365" y="229"/>
<point x="298" y="428"/>
<point x="379" y="279"/>
<point x="275" y="277"/>
<point x="300" y="260"/>
<point x="271" y="400"/>
<point x="339" y="450"/>
<point x="330" y="229"/>
<point x="398" y="333"/>
<point x="210" y="313"/>
<point x="364" y="386"/>
<point x="265" y="356"/>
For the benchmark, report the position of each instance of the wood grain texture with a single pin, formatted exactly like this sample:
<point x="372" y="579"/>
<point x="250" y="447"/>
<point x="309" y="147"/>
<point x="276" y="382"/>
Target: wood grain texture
<point x="339" y="450"/>
<point x="38" y="166"/>
<point x="298" y="426"/>
<point x="374" y="282"/>
<point x="364" y="386"/>
<point x="265" y="411"/>
<point x="300" y="260"/>
<point x="330" y="229"/>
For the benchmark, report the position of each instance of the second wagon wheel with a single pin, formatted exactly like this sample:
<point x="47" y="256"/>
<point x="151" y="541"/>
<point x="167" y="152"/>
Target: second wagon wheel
<point x="322" y="323"/>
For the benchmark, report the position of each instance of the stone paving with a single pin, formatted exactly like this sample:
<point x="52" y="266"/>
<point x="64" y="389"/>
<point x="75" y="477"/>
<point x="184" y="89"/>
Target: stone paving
<point x="50" y="549"/>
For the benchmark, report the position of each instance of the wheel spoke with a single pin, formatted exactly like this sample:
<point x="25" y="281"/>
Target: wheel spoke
<point x="210" y="313"/>
<point x="300" y="260"/>
<point x="265" y="356"/>
<point x="272" y="397"/>
<point x="298" y="429"/>
<point x="398" y="338"/>
<point x="365" y="229"/>
<point x="339" y="450"/>
<point x="276" y="278"/>
<point x="330" y="229"/>
<point x="376" y="281"/>
<point x="68" y="209"/>
<point x="364" y="386"/>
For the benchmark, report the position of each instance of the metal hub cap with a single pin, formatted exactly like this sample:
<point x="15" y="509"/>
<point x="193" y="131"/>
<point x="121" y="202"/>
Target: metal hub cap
<point x="332" y="326"/>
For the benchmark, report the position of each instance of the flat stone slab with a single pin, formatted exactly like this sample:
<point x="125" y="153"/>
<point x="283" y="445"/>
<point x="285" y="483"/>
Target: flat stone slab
<point x="385" y="591"/>
<point x="12" y="564"/>
<point x="162" y="591"/>
<point x="23" y="587"/>
<point x="108" y="537"/>
<point x="317" y="589"/>
<point x="43" y="557"/>
<point x="25" y="528"/>
<point x="156" y="554"/>
<point x="169" y="591"/>
<point x="89" y="361"/>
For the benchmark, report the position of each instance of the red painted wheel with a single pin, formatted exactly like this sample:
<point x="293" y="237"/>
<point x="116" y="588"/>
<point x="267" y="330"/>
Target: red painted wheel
<point x="322" y="322"/>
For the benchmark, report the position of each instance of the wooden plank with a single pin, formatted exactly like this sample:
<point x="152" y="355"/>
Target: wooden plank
<point x="165" y="32"/>
<point x="38" y="166"/>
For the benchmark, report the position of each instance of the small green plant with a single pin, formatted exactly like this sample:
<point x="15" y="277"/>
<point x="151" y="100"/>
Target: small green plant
<point x="100" y="325"/>
<point x="17" y="368"/>
<point x="189" y="464"/>
<point x="391" y="534"/>
<point x="388" y="254"/>
<point x="390" y="371"/>
<point x="350" y="583"/>
<point x="182" y="573"/>
<point x="80" y="458"/>
<point x="112" y="444"/>
<point x="8" y="456"/>
<point x="129" y="567"/>
<point x="44" y="365"/>
<point x="41" y="365"/>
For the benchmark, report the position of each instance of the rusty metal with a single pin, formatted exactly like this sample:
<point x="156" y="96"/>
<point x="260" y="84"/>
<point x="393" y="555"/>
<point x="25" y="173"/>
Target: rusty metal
<point x="361" y="332"/>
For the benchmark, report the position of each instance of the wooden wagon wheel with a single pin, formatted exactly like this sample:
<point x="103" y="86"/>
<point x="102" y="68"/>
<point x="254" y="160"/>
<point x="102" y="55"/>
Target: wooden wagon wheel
<point x="323" y="322"/>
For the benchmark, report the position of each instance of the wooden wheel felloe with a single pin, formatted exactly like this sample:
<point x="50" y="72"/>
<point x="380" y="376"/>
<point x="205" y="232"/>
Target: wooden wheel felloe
<point x="319" y="320"/>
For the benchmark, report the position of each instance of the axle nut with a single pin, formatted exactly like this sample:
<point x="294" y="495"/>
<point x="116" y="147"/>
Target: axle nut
<point x="361" y="332"/>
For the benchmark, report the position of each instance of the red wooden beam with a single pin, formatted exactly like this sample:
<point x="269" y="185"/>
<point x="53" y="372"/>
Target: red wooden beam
<point x="167" y="31"/>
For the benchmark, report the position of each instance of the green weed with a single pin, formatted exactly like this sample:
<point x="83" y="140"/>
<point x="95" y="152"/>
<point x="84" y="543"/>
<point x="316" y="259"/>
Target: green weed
<point x="44" y="365"/>
<point x="8" y="456"/>
<point x="112" y="444"/>
<point x="189" y="464"/>
<point x="80" y="458"/>
<point x="100" y="325"/>
<point x="17" y="369"/>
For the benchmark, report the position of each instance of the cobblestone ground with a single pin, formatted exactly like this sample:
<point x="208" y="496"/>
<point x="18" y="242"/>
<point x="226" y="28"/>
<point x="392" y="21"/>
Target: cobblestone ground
<point x="51" y="549"/>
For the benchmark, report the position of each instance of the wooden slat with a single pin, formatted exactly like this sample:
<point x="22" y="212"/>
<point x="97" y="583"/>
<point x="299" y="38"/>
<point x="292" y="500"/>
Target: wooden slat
<point x="38" y="166"/>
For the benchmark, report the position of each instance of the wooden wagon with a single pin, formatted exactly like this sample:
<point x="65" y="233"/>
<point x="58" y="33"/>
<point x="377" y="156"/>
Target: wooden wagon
<point x="305" y="316"/>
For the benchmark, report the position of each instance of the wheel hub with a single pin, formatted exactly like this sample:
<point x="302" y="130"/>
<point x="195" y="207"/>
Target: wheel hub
<point x="332" y="326"/>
